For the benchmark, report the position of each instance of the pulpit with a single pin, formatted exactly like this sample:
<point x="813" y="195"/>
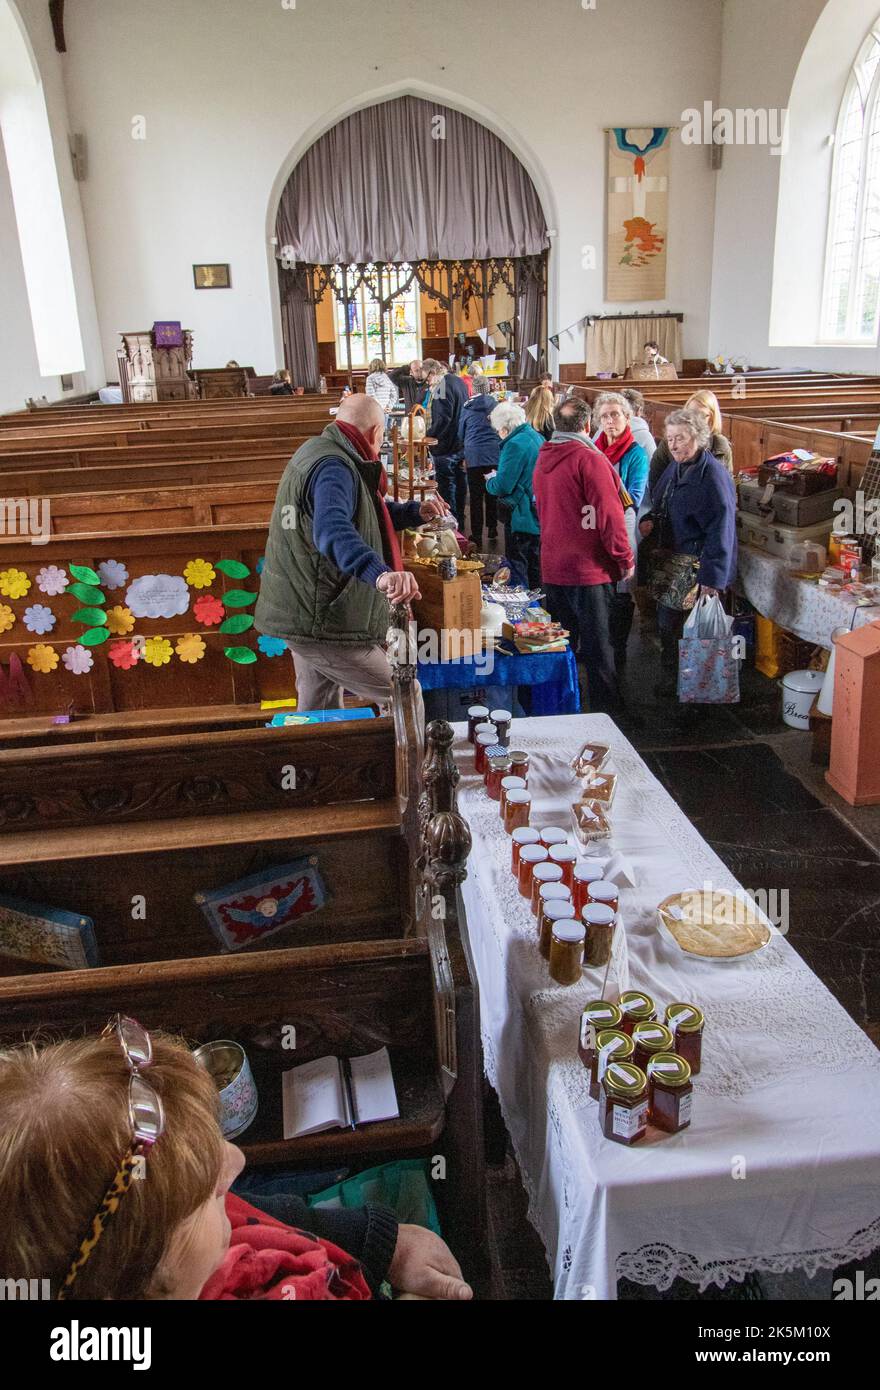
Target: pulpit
<point x="639" y="371"/>
<point x="150" y="372"/>
<point x="855" y="746"/>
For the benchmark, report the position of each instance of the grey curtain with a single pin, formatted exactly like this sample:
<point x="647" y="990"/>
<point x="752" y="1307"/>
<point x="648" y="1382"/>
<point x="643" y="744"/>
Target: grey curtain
<point x="529" y="304"/>
<point x="409" y="180"/>
<point x="298" y="328"/>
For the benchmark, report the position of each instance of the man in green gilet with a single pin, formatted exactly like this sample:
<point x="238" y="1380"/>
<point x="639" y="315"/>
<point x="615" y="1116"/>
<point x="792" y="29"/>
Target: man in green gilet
<point x="333" y="563"/>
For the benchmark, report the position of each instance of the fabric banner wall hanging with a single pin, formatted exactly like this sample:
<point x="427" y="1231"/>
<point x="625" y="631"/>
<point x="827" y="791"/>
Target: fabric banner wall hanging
<point x="638" y="202"/>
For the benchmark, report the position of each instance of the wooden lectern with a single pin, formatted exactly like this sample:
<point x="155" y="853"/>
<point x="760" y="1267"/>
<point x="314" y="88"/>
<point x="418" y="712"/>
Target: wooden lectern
<point x="151" y="372"/>
<point x="855" y="732"/>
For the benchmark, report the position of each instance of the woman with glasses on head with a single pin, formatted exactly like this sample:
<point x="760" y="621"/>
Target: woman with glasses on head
<point x="115" y="1184"/>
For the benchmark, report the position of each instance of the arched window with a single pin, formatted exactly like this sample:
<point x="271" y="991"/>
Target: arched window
<point x="851" y="297"/>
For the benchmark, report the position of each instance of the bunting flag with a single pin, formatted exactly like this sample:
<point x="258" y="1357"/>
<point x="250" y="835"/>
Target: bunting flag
<point x="483" y="333"/>
<point x="554" y="338"/>
<point x="533" y="351"/>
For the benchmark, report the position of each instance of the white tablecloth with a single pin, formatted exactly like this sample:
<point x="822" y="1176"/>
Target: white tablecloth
<point x="798" y="605"/>
<point x="780" y="1168"/>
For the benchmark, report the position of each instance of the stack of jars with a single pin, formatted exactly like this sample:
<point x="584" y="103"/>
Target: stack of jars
<point x="640" y="1069"/>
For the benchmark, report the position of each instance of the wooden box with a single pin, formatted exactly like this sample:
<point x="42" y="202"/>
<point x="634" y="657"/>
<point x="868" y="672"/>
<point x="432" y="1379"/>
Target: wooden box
<point x="452" y="608"/>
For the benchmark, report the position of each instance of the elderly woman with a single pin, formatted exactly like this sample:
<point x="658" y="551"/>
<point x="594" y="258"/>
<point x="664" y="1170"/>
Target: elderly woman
<point x="380" y="386"/>
<point x="481" y="446"/>
<point x="80" y="1118"/>
<point x="693" y="508"/>
<point x="512" y="485"/>
<point x="613" y="414"/>
<point x="706" y="405"/>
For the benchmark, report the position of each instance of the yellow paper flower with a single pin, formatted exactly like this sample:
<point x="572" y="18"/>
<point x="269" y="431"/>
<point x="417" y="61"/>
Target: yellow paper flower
<point x="7" y="617"/>
<point x="199" y="574"/>
<point x="14" y="583"/>
<point x="42" y="658"/>
<point x="120" y="620"/>
<point x="157" y="651"/>
<point x="190" y="648"/>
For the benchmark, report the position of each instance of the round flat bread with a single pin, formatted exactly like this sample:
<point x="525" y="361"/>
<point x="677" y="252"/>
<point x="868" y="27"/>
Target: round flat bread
<point x="713" y="924"/>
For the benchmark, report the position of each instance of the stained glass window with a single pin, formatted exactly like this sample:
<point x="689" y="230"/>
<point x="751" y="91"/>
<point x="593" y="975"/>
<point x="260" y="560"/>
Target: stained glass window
<point x="393" y="336"/>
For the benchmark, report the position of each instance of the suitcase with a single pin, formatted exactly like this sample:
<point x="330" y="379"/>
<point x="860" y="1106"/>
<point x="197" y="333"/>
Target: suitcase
<point x="778" y="540"/>
<point x="800" y="481"/>
<point x="787" y="508"/>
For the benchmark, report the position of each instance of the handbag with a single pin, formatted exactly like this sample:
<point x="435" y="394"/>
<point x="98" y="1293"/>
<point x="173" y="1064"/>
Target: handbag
<point x="673" y="579"/>
<point x="708" y="671"/>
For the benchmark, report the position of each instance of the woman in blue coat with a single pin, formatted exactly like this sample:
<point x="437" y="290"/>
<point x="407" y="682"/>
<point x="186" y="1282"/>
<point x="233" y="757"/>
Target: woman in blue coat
<point x="481" y="446"/>
<point x="512" y="485"/>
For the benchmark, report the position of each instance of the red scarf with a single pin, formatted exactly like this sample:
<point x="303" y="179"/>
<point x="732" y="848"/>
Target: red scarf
<point x="268" y="1260"/>
<point x="390" y="543"/>
<point x="614" y="450"/>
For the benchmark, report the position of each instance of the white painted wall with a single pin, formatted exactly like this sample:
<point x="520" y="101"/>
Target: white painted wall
<point x="763" y="45"/>
<point x="19" y="366"/>
<point x="231" y="91"/>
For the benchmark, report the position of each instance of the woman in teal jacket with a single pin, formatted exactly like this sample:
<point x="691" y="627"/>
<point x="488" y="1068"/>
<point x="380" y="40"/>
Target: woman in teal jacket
<point x="512" y="485"/>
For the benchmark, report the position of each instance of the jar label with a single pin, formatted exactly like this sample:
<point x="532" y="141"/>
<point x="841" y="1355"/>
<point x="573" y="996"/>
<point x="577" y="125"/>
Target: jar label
<point x="684" y="1109"/>
<point x="627" y="1122"/>
<point x="588" y="1035"/>
<point x="683" y="1016"/>
<point x="605" y="1055"/>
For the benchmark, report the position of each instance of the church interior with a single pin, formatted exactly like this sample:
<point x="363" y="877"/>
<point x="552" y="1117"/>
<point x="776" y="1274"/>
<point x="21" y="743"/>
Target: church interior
<point x="440" y="653"/>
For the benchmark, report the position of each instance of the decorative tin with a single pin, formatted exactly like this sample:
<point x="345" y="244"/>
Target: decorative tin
<point x="227" y="1063"/>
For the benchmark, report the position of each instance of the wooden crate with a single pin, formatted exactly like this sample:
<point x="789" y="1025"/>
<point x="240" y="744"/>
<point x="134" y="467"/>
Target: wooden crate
<point x="452" y="608"/>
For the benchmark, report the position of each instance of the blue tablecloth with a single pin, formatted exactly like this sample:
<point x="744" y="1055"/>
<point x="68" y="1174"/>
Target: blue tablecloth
<point x="547" y="684"/>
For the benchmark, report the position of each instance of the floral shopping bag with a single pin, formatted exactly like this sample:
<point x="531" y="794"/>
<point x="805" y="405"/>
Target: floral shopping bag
<point x="708" y="670"/>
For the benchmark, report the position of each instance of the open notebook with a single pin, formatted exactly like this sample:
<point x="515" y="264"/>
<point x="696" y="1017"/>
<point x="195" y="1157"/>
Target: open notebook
<point x="338" y="1093"/>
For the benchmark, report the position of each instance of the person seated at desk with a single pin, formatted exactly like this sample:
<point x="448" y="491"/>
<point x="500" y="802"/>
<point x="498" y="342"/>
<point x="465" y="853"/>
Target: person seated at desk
<point x="281" y="384"/>
<point x="82" y="1119"/>
<point x="651" y="355"/>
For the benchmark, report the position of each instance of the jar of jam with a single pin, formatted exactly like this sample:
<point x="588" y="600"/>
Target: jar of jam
<point x="636" y="1007"/>
<point x="554" y="891"/>
<point x="685" y="1022"/>
<point x="597" y="1016"/>
<point x="670" y="1092"/>
<point x="553" y="835"/>
<point x="529" y="856"/>
<point x="599" y="922"/>
<point x="566" y="857"/>
<point x="509" y="783"/>
<point x="556" y="910"/>
<point x="493" y="753"/>
<point x="496" y="768"/>
<point x="541" y="874"/>
<point x="517" y="809"/>
<point x="477" y="714"/>
<point x="482" y="744"/>
<point x="522" y="835"/>
<point x="566" y="951"/>
<point x="610" y="1043"/>
<point x="501" y="718"/>
<point x="648" y="1039"/>
<point x="623" y="1103"/>
<point x="602" y="890"/>
<point x="520" y="762"/>
<point x="583" y="874"/>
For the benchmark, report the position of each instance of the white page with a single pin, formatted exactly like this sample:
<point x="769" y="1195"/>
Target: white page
<point x="311" y="1098"/>
<point x="373" y="1085"/>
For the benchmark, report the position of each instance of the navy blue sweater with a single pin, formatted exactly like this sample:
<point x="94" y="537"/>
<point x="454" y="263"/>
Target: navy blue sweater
<point x="481" y="443"/>
<point x="332" y="498"/>
<point x="447" y="404"/>
<point x="702" y="516"/>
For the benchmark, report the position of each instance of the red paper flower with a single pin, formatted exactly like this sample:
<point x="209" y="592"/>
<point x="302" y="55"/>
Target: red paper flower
<point x="123" y="655"/>
<point x="209" y="610"/>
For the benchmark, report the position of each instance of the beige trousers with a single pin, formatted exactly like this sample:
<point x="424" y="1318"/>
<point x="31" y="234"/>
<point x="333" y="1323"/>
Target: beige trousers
<point x="325" y="669"/>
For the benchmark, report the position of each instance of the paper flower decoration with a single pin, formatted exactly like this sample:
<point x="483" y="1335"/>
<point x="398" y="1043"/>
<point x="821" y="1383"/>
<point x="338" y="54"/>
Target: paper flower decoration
<point x="7" y="617"/>
<point x="199" y="574"/>
<point x="52" y="580"/>
<point x="39" y="619"/>
<point x="112" y="574"/>
<point x="190" y="648"/>
<point x="124" y="655"/>
<point x="271" y="646"/>
<point x="209" y="610"/>
<point x="14" y="583"/>
<point x="260" y="563"/>
<point x="42" y="658"/>
<point x="120" y="620"/>
<point x="158" y="596"/>
<point x="79" y="660"/>
<point x="157" y="651"/>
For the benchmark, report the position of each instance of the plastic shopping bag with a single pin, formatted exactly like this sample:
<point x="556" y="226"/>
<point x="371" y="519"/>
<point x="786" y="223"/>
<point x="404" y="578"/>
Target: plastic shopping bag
<point x="708" y="670"/>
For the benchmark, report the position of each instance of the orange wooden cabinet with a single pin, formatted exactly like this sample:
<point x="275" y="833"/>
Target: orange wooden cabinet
<point x="855" y="735"/>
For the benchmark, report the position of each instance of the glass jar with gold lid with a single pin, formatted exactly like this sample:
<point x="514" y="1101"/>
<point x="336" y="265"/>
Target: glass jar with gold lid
<point x="685" y="1021"/>
<point x="670" y="1092"/>
<point x="649" y="1038"/>
<point x="636" y="1007"/>
<point x="610" y="1043"/>
<point x="623" y="1103"/>
<point x="597" y="1015"/>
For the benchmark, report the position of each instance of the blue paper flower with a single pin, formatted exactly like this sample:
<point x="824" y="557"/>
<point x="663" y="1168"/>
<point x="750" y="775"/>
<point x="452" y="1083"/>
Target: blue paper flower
<point x="38" y="618"/>
<point x="271" y="646"/>
<point x="113" y="574"/>
<point x="260" y="563"/>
